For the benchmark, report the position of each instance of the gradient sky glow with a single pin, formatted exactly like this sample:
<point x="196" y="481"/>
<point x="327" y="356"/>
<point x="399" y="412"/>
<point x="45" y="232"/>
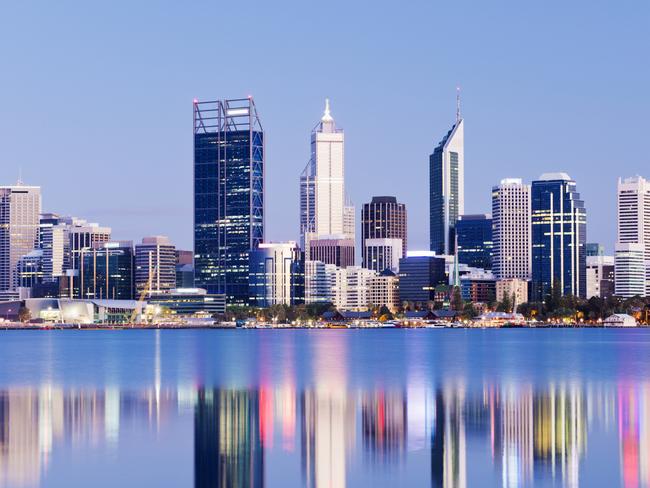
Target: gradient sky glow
<point x="96" y="99"/>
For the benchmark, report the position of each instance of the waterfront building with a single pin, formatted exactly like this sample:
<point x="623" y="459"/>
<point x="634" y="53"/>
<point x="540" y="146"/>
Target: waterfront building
<point x="419" y="275"/>
<point x="324" y="208"/>
<point x="594" y="249"/>
<point x="474" y="240"/>
<point x="319" y="282"/>
<point x="512" y="287"/>
<point x="633" y="212"/>
<point x="106" y="271"/>
<point x="478" y="287"/>
<point x="276" y="275"/>
<point x="382" y="254"/>
<point x="20" y="207"/>
<point x="383" y="290"/>
<point x="383" y="218"/>
<point x="351" y="288"/>
<point x="629" y="270"/>
<point x="155" y="265"/>
<point x="189" y="301"/>
<point x="82" y="236"/>
<point x="446" y="188"/>
<point x="511" y="252"/>
<point x="337" y="250"/>
<point x="600" y="276"/>
<point x="53" y="240"/>
<point x="559" y="231"/>
<point x="228" y="194"/>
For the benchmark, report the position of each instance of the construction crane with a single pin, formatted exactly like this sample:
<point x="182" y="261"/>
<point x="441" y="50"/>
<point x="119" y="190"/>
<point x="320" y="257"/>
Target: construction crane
<point x="147" y="290"/>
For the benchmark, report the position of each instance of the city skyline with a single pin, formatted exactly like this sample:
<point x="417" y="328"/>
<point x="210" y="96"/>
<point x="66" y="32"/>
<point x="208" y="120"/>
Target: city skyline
<point x="501" y="83"/>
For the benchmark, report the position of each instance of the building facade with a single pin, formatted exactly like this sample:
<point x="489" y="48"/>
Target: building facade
<point x="20" y="208"/>
<point x="511" y="251"/>
<point x="155" y="266"/>
<point x="629" y="270"/>
<point x="513" y="287"/>
<point x="419" y="275"/>
<point x="382" y="254"/>
<point x="107" y="272"/>
<point x="335" y="250"/>
<point x="474" y="240"/>
<point x="383" y="290"/>
<point x="600" y="276"/>
<point x="383" y="218"/>
<point x="478" y="287"/>
<point x="633" y="212"/>
<point x="320" y="279"/>
<point x="446" y="189"/>
<point x="276" y="275"/>
<point x="352" y="288"/>
<point x="559" y="231"/>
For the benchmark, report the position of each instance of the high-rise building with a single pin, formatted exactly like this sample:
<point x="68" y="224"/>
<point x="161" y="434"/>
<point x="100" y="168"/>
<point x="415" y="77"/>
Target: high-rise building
<point x="184" y="269"/>
<point x="351" y="288"/>
<point x="20" y="207"/>
<point x="155" y="266"/>
<point x="337" y="251"/>
<point x="446" y="188"/>
<point x="319" y="282"/>
<point x="54" y="241"/>
<point x="382" y="254"/>
<point x="633" y="210"/>
<point x="600" y="276"/>
<point x="478" y="286"/>
<point x="82" y="236"/>
<point x="383" y="290"/>
<point x="629" y="270"/>
<point x="324" y="209"/>
<point x="511" y="251"/>
<point x="276" y="275"/>
<point x="383" y="218"/>
<point x="30" y="269"/>
<point x="107" y="271"/>
<point x="559" y="232"/>
<point x="228" y="194"/>
<point x="474" y="240"/>
<point x="419" y="274"/>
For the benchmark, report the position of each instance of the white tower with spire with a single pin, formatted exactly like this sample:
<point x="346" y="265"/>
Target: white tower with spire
<point x="324" y="212"/>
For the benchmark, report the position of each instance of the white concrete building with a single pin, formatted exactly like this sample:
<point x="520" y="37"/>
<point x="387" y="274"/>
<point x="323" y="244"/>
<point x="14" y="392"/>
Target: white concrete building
<point x="620" y="320"/>
<point x="20" y="208"/>
<point x="275" y="274"/>
<point x="629" y="270"/>
<point x="351" y="288"/>
<point x="382" y="254"/>
<point x="600" y="276"/>
<point x="384" y="290"/>
<point x="319" y="282"/>
<point x="155" y="265"/>
<point x="511" y="233"/>
<point x="510" y="287"/>
<point x="324" y="209"/>
<point x="633" y="212"/>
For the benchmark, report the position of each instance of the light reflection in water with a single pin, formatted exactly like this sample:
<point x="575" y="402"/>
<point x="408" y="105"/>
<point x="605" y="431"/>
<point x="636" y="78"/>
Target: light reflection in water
<point x="299" y="416"/>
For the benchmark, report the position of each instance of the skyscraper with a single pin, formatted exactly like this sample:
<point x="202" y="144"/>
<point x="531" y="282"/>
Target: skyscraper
<point x="446" y="188"/>
<point x="383" y="218"/>
<point x="511" y="230"/>
<point x="324" y="209"/>
<point x="20" y="208"/>
<point x="629" y="270"/>
<point x="277" y="275"/>
<point x="633" y="211"/>
<point x="155" y="265"/>
<point x="228" y="194"/>
<point x="107" y="271"/>
<point x="559" y="232"/>
<point x="474" y="240"/>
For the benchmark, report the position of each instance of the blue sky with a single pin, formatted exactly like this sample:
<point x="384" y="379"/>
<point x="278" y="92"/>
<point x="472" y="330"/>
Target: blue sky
<point x="96" y="99"/>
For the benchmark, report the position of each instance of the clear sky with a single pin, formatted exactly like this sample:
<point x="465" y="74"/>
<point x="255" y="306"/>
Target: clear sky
<point x="96" y="99"/>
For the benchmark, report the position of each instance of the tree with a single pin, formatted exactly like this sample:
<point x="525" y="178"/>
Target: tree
<point x="24" y="315"/>
<point x="505" y="305"/>
<point x="469" y="311"/>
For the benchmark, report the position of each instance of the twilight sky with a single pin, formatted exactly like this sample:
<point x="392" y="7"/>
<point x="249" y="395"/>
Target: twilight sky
<point x="96" y="99"/>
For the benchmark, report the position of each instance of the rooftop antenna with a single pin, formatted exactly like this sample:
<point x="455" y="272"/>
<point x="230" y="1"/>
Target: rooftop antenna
<point x="457" y="104"/>
<point x="20" y="176"/>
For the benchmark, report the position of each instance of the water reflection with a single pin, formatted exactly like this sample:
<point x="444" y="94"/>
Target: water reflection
<point x="331" y="433"/>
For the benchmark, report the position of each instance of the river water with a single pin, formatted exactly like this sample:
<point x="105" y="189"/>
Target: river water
<point x="325" y="408"/>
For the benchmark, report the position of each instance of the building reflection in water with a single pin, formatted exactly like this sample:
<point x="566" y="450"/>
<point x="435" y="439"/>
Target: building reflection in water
<point x="526" y="433"/>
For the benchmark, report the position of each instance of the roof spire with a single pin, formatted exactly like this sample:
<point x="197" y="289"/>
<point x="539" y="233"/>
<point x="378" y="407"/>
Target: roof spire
<point x="457" y="104"/>
<point x="327" y="117"/>
<point x="20" y="176"/>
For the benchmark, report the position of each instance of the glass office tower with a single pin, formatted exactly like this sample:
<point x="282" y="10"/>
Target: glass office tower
<point x="474" y="240"/>
<point x="228" y="194"/>
<point x="559" y="232"/>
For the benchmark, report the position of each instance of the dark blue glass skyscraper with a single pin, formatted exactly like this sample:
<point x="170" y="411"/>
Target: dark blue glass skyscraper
<point x="559" y="235"/>
<point x="474" y="240"/>
<point x="228" y="194"/>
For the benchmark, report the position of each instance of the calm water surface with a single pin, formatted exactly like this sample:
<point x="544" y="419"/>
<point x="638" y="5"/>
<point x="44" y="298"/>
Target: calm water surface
<point x="326" y="408"/>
